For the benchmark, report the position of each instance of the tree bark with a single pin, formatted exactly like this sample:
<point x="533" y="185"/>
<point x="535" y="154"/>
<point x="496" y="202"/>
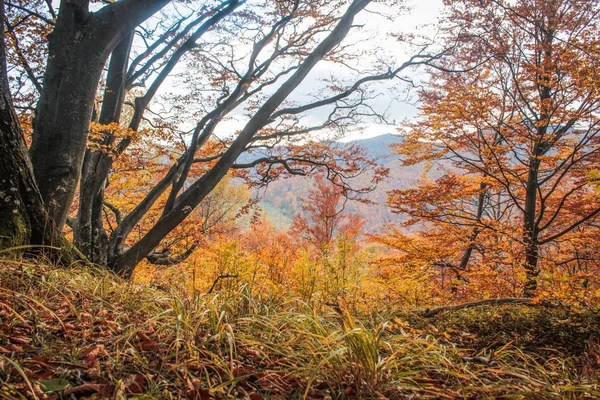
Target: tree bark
<point x="530" y="228"/>
<point x="23" y="217"/>
<point x="90" y="236"/>
<point x="78" y="48"/>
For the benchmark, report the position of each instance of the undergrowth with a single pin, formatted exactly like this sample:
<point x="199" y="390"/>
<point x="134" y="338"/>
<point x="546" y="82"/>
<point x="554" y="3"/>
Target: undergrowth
<point x="81" y="333"/>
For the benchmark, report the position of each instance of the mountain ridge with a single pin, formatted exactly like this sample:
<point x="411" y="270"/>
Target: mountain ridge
<point x="282" y="199"/>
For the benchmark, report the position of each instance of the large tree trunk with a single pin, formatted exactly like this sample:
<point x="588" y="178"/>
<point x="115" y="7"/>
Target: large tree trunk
<point x="21" y="207"/>
<point x="23" y="217"/>
<point x="78" y="48"/>
<point x="18" y="202"/>
<point x="90" y="236"/>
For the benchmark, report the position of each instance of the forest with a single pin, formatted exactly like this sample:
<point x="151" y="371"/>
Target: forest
<point x="299" y="199"/>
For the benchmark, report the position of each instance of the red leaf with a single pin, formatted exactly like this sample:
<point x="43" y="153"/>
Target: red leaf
<point x="204" y="394"/>
<point x="107" y="391"/>
<point x="47" y="316"/>
<point x="14" y="347"/>
<point x="143" y="337"/>
<point x="149" y="346"/>
<point x="95" y="351"/>
<point x="69" y="327"/>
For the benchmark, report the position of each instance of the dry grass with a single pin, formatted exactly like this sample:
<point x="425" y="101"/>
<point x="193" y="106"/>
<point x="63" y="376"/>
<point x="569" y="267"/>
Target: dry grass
<point x="87" y="334"/>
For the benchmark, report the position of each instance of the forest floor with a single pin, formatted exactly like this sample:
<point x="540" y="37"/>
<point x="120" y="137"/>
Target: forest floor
<point x="80" y="333"/>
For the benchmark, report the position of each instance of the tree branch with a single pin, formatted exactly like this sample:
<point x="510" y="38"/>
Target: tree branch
<point x="430" y="312"/>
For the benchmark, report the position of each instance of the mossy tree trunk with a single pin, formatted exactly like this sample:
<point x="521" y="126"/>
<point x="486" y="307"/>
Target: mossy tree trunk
<point x="20" y="203"/>
<point x="23" y="216"/>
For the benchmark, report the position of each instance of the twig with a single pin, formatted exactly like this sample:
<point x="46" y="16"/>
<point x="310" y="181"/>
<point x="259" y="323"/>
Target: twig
<point x="217" y="281"/>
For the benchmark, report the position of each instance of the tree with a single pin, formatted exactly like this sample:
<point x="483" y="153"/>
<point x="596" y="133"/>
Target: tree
<point x="24" y="217"/>
<point x="522" y="123"/>
<point x="276" y="45"/>
<point x="330" y="240"/>
<point x="78" y="46"/>
<point x="112" y="140"/>
<point x="217" y="214"/>
<point x="323" y="217"/>
<point x="23" y="208"/>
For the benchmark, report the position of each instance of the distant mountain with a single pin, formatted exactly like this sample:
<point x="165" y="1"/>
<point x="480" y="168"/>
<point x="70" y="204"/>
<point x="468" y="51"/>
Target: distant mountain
<point x="282" y="200"/>
<point x="379" y="147"/>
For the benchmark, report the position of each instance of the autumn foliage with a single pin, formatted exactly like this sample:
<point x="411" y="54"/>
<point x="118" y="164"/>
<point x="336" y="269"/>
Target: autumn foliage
<point x="517" y="130"/>
<point x="143" y="262"/>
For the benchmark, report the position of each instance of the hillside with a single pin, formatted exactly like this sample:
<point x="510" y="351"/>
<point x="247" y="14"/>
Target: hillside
<point x="87" y="334"/>
<point x="282" y="200"/>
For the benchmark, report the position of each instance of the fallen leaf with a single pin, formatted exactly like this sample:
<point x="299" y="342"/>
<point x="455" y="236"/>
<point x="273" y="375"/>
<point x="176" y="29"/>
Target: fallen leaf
<point x="135" y="383"/>
<point x="149" y="346"/>
<point x="23" y="325"/>
<point x="96" y="351"/>
<point x="204" y="394"/>
<point x="87" y="388"/>
<point x="108" y="391"/>
<point x="144" y="337"/>
<point x="13" y="347"/>
<point x="68" y="326"/>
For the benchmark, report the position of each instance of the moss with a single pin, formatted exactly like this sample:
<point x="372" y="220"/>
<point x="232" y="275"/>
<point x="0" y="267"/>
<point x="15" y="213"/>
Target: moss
<point x="14" y="231"/>
<point x="526" y="327"/>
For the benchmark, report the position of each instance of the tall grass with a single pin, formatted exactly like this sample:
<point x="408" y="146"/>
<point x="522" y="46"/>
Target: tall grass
<point x="163" y="344"/>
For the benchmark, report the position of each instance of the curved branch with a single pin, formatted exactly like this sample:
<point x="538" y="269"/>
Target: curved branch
<point x="157" y="258"/>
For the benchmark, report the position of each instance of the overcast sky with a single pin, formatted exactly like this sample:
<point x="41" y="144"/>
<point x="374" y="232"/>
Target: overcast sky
<point x="375" y="32"/>
<point x="419" y="19"/>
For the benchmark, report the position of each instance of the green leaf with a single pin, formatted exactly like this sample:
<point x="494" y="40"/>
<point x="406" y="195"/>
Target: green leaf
<point x="53" y="385"/>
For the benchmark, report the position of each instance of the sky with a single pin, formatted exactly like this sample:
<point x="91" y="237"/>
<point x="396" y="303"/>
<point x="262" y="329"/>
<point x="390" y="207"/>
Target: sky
<point x="419" y="19"/>
<point x="375" y="31"/>
<point x="376" y="27"/>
